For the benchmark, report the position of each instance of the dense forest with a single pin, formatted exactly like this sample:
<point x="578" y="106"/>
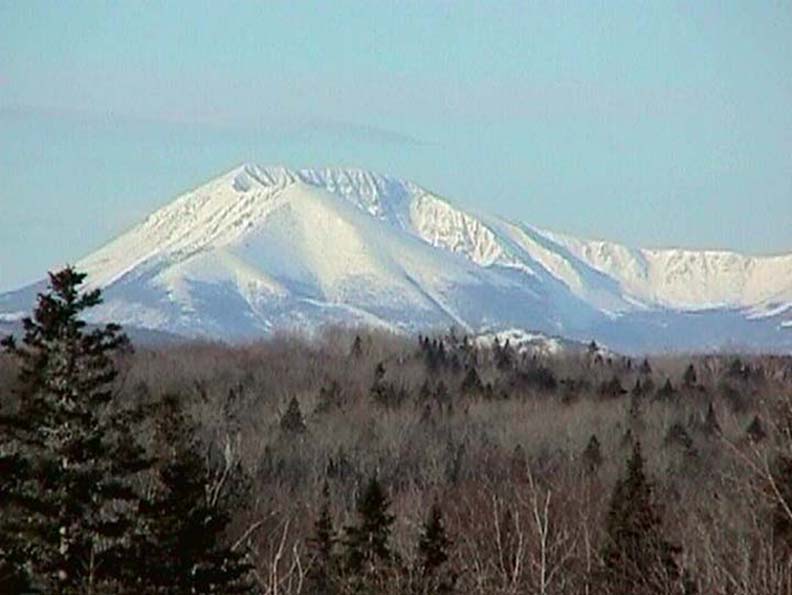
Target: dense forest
<point x="356" y="461"/>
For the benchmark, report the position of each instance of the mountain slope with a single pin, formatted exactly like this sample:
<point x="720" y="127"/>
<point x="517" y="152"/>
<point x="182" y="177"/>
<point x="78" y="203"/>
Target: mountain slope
<point x="259" y="249"/>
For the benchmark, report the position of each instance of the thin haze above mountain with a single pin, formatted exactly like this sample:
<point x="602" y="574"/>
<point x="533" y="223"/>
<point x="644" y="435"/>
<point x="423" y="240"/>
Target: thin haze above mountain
<point x="266" y="248"/>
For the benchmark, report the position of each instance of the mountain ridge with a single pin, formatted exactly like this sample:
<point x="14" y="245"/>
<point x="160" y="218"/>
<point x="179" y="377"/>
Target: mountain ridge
<point x="261" y="248"/>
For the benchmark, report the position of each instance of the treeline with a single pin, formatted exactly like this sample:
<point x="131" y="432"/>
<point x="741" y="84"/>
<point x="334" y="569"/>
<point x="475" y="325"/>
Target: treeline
<point x="375" y="463"/>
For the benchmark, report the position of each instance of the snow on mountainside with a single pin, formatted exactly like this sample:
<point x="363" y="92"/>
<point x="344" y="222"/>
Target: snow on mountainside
<point x="258" y="249"/>
<point x="690" y="279"/>
<point x="526" y="342"/>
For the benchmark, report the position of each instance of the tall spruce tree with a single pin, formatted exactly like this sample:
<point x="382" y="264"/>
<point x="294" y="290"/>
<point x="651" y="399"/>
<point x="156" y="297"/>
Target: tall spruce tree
<point x="711" y="425"/>
<point x="592" y="455"/>
<point x="322" y="576"/>
<point x="755" y="430"/>
<point x="666" y="392"/>
<point x="433" y="545"/>
<point x="690" y="378"/>
<point x="356" y="350"/>
<point x="637" y="557"/>
<point x="368" y="555"/>
<point x="292" y="421"/>
<point x="471" y="383"/>
<point x="183" y="543"/>
<point x="68" y="505"/>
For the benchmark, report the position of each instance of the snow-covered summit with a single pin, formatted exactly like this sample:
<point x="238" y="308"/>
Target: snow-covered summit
<point x="259" y="248"/>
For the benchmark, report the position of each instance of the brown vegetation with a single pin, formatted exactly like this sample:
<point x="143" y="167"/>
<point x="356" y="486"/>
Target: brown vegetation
<point x="521" y="454"/>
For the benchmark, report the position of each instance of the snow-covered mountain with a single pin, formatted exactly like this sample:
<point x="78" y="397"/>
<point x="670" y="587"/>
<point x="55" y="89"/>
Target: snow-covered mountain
<point x="259" y="249"/>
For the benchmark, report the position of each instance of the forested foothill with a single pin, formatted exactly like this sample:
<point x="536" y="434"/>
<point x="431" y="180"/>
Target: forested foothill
<point x="360" y="461"/>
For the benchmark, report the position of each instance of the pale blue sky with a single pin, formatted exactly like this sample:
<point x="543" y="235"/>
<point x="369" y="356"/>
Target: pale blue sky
<point x="655" y="124"/>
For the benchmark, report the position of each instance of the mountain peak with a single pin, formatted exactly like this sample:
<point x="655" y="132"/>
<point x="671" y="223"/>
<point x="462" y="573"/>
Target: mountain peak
<point x="262" y="247"/>
<point x="375" y="193"/>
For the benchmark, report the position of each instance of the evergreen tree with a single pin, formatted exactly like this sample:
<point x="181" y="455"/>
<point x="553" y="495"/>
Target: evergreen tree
<point x="690" y="378"/>
<point x="504" y="356"/>
<point x="628" y="439"/>
<point x="738" y="369"/>
<point x="637" y="557"/>
<point x="677" y="435"/>
<point x="755" y="430"/>
<point x="782" y="524"/>
<point x="648" y="385"/>
<point x="612" y="388"/>
<point x="711" y="425"/>
<point x="13" y="574"/>
<point x="635" y="412"/>
<point x="433" y="547"/>
<point x="329" y="398"/>
<point x="69" y="508"/>
<point x="645" y="369"/>
<point x="441" y="353"/>
<point x="519" y="463"/>
<point x="183" y="542"/>
<point x="592" y="455"/>
<point x="666" y="391"/>
<point x="471" y="383"/>
<point x="380" y="390"/>
<point x="293" y="422"/>
<point x="356" y="351"/>
<point x="431" y="355"/>
<point x="379" y="373"/>
<point x="322" y="575"/>
<point x="368" y="555"/>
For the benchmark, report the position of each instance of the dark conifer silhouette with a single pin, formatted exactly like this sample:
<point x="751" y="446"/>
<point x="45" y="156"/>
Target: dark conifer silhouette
<point x="504" y="356"/>
<point x="690" y="378"/>
<point x="612" y="388"/>
<point x="322" y="576"/>
<point x="755" y="430"/>
<point x="434" y="353"/>
<point x="329" y="398"/>
<point x="519" y="463"/>
<point x="666" y="391"/>
<point x="292" y="420"/>
<point x="471" y="383"/>
<point x="379" y="388"/>
<point x="379" y="372"/>
<point x="357" y="348"/>
<point x="627" y="439"/>
<point x="677" y="435"/>
<point x="183" y="545"/>
<point x="68" y="508"/>
<point x="711" y="425"/>
<point x="637" y="557"/>
<point x="782" y="496"/>
<point x="738" y="370"/>
<point x="433" y="549"/>
<point x="13" y="574"/>
<point x="592" y="454"/>
<point x="368" y="554"/>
